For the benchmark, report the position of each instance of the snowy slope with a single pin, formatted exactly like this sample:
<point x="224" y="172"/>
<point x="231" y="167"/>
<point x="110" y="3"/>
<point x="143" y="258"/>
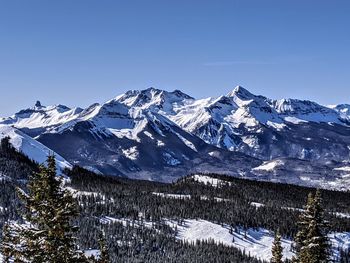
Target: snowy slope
<point x="40" y="118"/>
<point x="30" y="147"/>
<point x="256" y="242"/>
<point x="342" y="109"/>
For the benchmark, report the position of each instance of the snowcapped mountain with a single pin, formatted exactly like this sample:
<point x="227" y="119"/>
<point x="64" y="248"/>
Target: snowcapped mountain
<point x="342" y="109"/>
<point x="158" y="135"/>
<point x="253" y="124"/>
<point x="39" y="119"/>
<point x="30" y="147"/>
<point x="134" y="141"/>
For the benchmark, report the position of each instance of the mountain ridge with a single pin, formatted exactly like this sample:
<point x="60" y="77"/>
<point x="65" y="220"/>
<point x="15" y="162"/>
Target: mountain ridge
<point x="161" y="135"/>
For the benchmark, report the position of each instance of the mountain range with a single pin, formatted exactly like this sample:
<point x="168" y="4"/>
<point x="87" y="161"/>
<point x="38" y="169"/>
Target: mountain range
<point x="159" y="135"/>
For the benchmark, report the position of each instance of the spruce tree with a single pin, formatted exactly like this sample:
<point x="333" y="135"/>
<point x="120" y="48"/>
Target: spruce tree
<point x="47" y="234"/>
<point x="277" y="249"/>
<point x="303" y="224"/>
<point x="104" y="254"/>
<point x="311" y="241"/>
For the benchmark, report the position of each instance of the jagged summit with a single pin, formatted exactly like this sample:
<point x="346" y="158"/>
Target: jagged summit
<point x="240" y="92"/>
<point x="152" y="97"/>
<point x="38" y="104"/>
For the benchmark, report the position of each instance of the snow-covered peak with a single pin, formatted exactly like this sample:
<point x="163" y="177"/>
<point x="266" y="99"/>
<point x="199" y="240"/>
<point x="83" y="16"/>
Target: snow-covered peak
<point x="342" y="109"/>
<point x="294" y="106"/>
<point x="41" y="117"/>
<point x="153" y="98"/>
<point x="306" y="110"/>
<point x="241" y="93"/>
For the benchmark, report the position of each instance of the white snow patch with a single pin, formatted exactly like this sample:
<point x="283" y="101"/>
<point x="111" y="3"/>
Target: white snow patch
<point x="277" y="126"/>
<point x="342" y="215"/>
<point x="169" y="159"/>
<point x="92" y="253"/>
<point x="148" y="134"/>
<point x="294" y="120"/>
<point x="160" y="143"/>
<point x="187" y="142"/>
<point x="257" y="205"/>
<point x="269" y="165"/>
<point x="344" y="168"/>
<point x="214" y="154"/>
<point x="175" y="196"/>
<point x="131" y="153"/>
<point x="207" y="180"/>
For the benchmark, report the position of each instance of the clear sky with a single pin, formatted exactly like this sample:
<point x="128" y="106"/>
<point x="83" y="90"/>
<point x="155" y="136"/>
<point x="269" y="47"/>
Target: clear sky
<point x="77" y="52"/>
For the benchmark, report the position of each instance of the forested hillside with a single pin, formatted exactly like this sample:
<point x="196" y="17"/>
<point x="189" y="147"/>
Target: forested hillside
<point x="154" y="222"/>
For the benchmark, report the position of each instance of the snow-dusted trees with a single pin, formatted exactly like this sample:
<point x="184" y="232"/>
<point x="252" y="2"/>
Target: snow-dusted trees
<point x="46" y="234"/>
<point x="277" y="249"/>
<point x="104" y="255"/>
<point x="311" y="242"/>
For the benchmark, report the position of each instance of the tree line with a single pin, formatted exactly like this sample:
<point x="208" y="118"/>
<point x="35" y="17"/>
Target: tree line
<point x="101" y="196"/>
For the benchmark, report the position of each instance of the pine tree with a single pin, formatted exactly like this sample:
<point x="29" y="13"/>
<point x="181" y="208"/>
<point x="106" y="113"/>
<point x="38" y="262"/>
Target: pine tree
<point x="303" y="224"/>
<point x="47" y="235"/>
<point x="311" y="241"/>
<point x="277" y="249"/>
<point x="7" y="241"/>
<point x="104" y="254"/>
<point x="5" y="143"/>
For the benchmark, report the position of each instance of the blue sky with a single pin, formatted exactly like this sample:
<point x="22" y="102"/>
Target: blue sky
<point x="83" y="51"/>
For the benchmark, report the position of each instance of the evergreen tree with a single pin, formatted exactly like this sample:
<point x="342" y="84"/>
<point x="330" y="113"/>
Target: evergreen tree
<point x="277" y="249"/>
<point x="311" y="241"/>
<point x="303" y="224"/>
<point x="7" y="241"/>
<point x="5" y="143"/>
<point x="104" y="254"/>
<point x="47" y="235"/>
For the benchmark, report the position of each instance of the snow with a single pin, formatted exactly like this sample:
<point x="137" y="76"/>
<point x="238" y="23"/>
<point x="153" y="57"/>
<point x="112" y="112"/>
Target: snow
<point x="293" y="120"/>
<point x="207" y="180"/>
<point x="175" y="196"/>
<point x="160" y="143"/>
<point x="182" y="196"/>
<point x="131" y="153"/>
<point x="214" y="154"/>
<point x="344" y="168"/>
<point x="251" y="141"/>
<point x="130" y="133"/>
<point x="342" y="215"/>
<point x="169" y="159"/>
<point x="277" y="126"/>
<point x="187" y="142"/>
<point x="148" y="134"/>
<point x="125" y="222"/>
<point x="32" y="148"/>
<point x="257" y="243"/>
<point x="257" y="205"/>
<point x="269" y="165"/>
<point x="92" y="253"/>
<point x="77" y="193"/>
<point x="41" y="117"/>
